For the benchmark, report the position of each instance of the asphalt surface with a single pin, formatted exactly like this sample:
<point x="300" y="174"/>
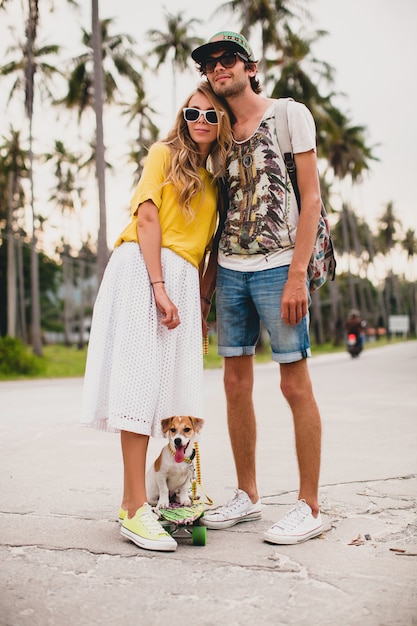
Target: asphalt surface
<point x="64" y="563"/>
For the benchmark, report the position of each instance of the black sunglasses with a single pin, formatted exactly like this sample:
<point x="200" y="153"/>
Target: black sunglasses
<point x="193" y="115"/>
<point x="227" y="60"/>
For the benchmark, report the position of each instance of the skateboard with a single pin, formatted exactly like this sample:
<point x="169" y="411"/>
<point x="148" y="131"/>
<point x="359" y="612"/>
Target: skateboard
<point x="182" y="522"/>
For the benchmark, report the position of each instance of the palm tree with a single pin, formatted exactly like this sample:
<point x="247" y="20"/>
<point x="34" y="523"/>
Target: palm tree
<point x="64" y="194"/>
<point x="387" y="236"/>
<point x="86" y="262"/>
<point x="117" y="59"/>
<point x="27" y="66"/>
<point x="140" y="113"/>
<point x="271" y="16"/>
<point x="386" y="239"/>
<point x="409" y="244"/>
<point x="93" y="83"/>
<point x="175" y="43"/>
<point x="13" y="169"/>
<point x="103" y="253"/>
<point x="300" y="72"/>
<point x="344" y="145"/>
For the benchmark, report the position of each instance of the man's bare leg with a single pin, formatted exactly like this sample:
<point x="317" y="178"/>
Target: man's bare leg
<point x="297" y="389"/>
<point x="238" y="384"/>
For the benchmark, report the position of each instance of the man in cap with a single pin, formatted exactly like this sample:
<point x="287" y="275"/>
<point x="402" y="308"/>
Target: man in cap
<point x="263" y="255"/>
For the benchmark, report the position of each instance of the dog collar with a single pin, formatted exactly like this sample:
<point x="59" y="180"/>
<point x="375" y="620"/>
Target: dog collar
<point x="187" y="459"/>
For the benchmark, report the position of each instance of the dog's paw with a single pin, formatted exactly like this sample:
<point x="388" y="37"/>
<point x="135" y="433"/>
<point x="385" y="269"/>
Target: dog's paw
<point x="163" y="503"/>
<point x="184" y="501"/>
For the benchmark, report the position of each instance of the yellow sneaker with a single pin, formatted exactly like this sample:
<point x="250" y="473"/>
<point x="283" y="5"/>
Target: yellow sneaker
<point x="146" y="532"/>
<point x="122" y="514"/>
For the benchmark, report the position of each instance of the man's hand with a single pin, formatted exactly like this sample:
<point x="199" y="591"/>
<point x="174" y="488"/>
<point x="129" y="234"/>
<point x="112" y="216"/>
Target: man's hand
<point x="294" y="304"/>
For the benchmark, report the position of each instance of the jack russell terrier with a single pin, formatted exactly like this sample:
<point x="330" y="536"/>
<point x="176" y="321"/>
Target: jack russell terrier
<point x="169" y="477"/>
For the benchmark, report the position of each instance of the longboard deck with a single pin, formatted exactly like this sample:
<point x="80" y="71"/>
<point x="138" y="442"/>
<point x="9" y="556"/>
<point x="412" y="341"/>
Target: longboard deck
<point x="182" y="515"/>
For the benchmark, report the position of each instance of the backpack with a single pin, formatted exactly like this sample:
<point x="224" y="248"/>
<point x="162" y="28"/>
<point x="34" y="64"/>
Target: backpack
<point x="322" y="265"/>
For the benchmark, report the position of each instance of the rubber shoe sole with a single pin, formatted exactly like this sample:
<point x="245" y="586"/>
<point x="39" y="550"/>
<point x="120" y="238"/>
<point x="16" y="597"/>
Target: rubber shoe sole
<point x="221" y="524"/>
<point x="161" y="545"/>
<point x="288" y="540"/>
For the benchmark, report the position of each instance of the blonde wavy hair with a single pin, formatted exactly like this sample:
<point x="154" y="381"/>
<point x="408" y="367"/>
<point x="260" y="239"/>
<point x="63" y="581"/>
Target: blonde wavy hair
<point x="183" y="171"/>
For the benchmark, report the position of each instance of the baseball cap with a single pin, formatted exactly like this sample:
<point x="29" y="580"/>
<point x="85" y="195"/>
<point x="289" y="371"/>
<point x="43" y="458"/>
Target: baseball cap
<point x="224" y="39"/>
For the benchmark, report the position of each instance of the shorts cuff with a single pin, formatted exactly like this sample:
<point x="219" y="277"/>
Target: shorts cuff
<point x="236" y="351"/>
<point x="291" y="357"/>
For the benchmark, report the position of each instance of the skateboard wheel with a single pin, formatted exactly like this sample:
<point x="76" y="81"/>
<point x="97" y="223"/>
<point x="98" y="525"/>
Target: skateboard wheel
<point x="199" y="535"/>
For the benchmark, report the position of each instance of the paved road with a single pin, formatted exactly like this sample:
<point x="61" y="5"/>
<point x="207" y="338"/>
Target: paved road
<point x="65" y="564"/>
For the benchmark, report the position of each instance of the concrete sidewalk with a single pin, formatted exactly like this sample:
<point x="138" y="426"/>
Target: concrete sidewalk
<point x="64" y="562"/>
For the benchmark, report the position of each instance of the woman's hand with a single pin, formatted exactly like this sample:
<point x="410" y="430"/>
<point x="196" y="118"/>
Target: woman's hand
<point x="168" y="309"/>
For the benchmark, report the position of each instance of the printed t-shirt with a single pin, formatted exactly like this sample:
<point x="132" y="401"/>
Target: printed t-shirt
<point x="187" y="238"/>
<point x="262" y="218"/>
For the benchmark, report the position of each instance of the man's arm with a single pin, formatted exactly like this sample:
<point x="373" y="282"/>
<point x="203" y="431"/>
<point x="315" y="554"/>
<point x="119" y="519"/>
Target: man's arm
<point x="208" y="283"/>
<point x="295" y="297"/>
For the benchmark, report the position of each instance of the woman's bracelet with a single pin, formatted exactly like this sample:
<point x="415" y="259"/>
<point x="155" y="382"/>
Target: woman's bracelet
<point x="157" y="281"/>
<point x="205" y="299"/>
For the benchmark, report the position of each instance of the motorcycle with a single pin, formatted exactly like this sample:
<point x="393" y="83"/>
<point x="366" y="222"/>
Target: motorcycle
<point x="354" y="344"/>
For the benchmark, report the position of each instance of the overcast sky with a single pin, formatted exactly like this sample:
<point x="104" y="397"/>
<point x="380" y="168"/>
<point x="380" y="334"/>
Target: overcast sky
<point x="372" y="45"/>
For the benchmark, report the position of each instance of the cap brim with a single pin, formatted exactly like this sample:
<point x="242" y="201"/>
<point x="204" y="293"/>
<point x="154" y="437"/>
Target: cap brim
<point x="203" y="52"/>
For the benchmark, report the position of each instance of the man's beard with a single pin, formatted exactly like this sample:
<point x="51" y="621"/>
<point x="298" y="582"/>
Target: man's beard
<point x="229" y="91"/>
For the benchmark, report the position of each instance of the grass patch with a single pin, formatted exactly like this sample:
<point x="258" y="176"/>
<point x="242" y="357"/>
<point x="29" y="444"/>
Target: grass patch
<point x="213" y="361"/>
<point x="64" y="362"/>
<point x="60" y="361"/>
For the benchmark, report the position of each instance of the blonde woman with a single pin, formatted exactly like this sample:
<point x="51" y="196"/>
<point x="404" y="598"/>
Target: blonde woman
<point x="145" y="352"/>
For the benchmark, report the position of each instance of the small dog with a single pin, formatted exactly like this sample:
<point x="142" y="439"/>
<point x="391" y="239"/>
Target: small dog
<point x="169" y="477"/>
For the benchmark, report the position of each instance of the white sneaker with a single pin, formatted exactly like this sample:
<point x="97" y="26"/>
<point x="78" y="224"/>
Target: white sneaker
<point x="296" y="526"/>
<point x="239" y="509"/>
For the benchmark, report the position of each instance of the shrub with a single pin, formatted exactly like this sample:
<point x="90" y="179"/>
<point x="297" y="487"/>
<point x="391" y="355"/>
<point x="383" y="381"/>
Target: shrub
<point x="16" y="358"/>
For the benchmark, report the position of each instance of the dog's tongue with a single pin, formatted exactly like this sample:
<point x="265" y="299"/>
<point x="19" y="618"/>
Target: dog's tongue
<point x="179" y="454"/>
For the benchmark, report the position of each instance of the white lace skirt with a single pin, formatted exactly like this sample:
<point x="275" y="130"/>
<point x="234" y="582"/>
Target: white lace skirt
<point x="137" y="371"/>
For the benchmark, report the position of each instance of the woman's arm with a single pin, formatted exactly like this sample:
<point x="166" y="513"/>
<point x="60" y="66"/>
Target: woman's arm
<point x="150" y="238"/>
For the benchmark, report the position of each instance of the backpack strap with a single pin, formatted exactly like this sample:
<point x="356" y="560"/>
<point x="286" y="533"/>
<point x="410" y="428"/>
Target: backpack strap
<point x="222" y="205"/>
<point x="323" y="258"/>
<point x="284" y="142"/>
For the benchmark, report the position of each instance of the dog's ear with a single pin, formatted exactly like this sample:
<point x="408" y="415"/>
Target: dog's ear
<point x="198" y="423"/>
<point x="166" y="424"/>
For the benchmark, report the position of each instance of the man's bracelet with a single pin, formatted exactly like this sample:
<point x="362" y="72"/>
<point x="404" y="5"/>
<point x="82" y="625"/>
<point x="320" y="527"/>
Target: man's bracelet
<point x="157" y="281"/>
<point x="205" y="299"/>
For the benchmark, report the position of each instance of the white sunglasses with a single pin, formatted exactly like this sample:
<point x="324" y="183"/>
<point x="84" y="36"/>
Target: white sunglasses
<point x="193" y="115"/>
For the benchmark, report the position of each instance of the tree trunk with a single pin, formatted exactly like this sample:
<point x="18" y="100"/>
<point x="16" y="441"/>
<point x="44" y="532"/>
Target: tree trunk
<point x="353" y="226"/>
<point x="81" y="313"/>
<point x="23" y="334"/>
<point x="31" y="31"/>
<point x="347" y="248"/>
<point x="337" y="312"/>
<point x="11" y="265"/>
<point x="174" y="89"/>
<point x="34" y="266"/>
<point x="317" y="318"/>
<point x="68" y="296"/>
<point x="103" y="252"/>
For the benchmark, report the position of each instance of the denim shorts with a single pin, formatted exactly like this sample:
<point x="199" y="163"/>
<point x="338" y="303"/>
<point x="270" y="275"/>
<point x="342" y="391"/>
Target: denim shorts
<point x="243" y="301"/>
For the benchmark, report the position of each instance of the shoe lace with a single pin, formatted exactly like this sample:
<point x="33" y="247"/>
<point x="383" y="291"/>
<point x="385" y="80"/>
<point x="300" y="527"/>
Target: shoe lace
<point x="150" y="520"/>
<point x="292" y="519"/>
<point x="233" y="504"/>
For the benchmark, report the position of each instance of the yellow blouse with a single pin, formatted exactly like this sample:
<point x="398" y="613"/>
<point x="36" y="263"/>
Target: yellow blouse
<point x="189" y="239"/>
